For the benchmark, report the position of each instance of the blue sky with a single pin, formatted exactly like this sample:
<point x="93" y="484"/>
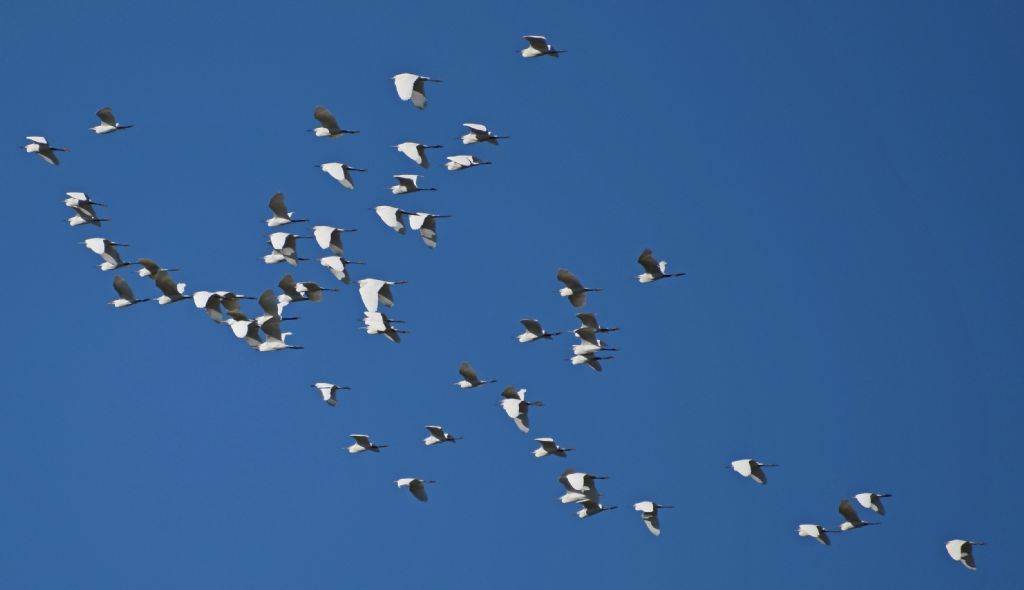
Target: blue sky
<point x="840" y="184"/>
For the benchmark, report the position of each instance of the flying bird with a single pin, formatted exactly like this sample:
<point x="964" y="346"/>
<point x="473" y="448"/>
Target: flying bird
<point x="82" y="205"/>
<point x="363" y="444"/>
<point x="573" y="288"/>
<point x="108" y="123"/>
<point x="125" y="297"/>
<point x="438" y="435"/>
<point x="589" y="359"/>
<point x="275" y="338"/>
<point x="305" y="291"/>
<point x="415" y="486"/>
<point x="338" y="267"/>
<point x="284" y="248"/>
<point x="649" y="512"/>
<point x="469" y="378"/>
<point x="329" y="392"/>
<point x="107" y="250"/>
<point x="378" y="323"/>
<point x="463" y="162"/>
<point x="548" y="446"/>
<point x="340" y="172"/>
<point x="534" y="331"/>
<point x="538" y="46"/>
<point x="752" y="469"/>
<point x="329" y="238"/>
<point x="515" y="405"/>
<point x="851" y="518"/>
<point x="46" y="151"/>
<point x="589" y="321"/>
<point x="654" y="270"/>
<point x="149" y="268"/>
<point x="579" y="486"/>
<point x="392" y="217"/>
<point x="407" y="183"/>
<point x="282" y="216"/>
<point x="374" y="291"/>
<point x="815" y="531"/>
<point x="172" y="292"/>
<point x="426" y="224"/>
<point x="328" y="124"/>
<point x="963" y="551"/>
<point x="416" y="152"/>
<point x="591" y="507"/>
<point x="411" y="87"/>
<point x="872" y="501"/>
<point x="479" y="133"/>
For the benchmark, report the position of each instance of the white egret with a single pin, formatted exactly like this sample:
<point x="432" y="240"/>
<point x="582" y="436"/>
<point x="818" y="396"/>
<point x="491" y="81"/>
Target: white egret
<point x="515" y="405"/>
<point x="591" y="507"/>
<point x="210" y="303"/>
<point x="586" y="347"/>
<point x="478" y="133"/>
<point x="851" y="518"/>
<point x="107" y="250"/>
<point x="416" y="152"/>
<point x="573" y="288"/>
<point x="172" y="292"/>
<point x="374" y="291"/>
<point x="534" y="331"/>
<point x="415" y="486"/>
<point x="579" y="486"/>
<point x="462" y="162"/>
<point x="284" y="249"/>
<point x="654" y="270"/>
<point x="590" y="359"/>
<point x="752" y="469"/>
<point x="538" y="46"/>
<point x="328" y="124"/>
<point x="363" y="444"/>
<point x="548" y="446"/>
<point x="392" y="217"/>
<point x="411" y="87"/>
<point x="963" y="551"/>
<point x="378" y="323"/>
<point x="426" y="224"/>
<point x="108" y="123"/>
<point x="469" y="377"/>
<point x="407" y="183"/>
<point x="649" y="512"/>
<point x="329" y="391"/>
<point x="329" y="238"/>
<point x="275" y="338"/>
<point x="815" y="531"/>
<point x="282" y="216"/>
<point x="340" y="172"/>
<point x="125" y="297"/>
<point x="46" y="151"/>
<point x="150" y="268"/>
<point x="438" y="435"/>
<point x="304" y="291"/>
<point x="84" y="211"/>
<point x="872" y="501"/>
<point x="338" y="267"/>
<point x="589" y="321"/>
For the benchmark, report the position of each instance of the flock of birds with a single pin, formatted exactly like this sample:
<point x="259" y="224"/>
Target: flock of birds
<point x="264" y="333"/>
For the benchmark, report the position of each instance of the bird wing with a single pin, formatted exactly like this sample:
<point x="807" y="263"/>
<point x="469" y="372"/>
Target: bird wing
<point x="427" y="227"/>
<point x="287" y="284"/>
<point x="38" y="139"/>
<point x="107" y="116"/>
<point x="419" y="96"/>
<point x="522" y="421"/>
<point x="277" y="206"/>
<point x="407" y="180"/>
<point x="537" y="42"/>
<point x="268" y="302"/>
<point x="384" y="294"/>
<point x="404" y="84"/>
<point x="511" y="406"/>
<point x="464" y="161"/>
<point x="467" y="372"/>
<point x="569" y="279"/>
<point x="578" y="299"/>
<point x="589" y="320"/>
<point x="326" y="118"/>
<point x="123" y="289"/>
<point x="323" y="234"/>
<point x="272" y="328"/>
<point x="368" y="289"/>
<point x="361" y="440"/>
<point x="757" y="474"/>
<point x="652" y="522"/>
<point x="437" y="432"/>
<point x="412" y="151"/>
<point x="647" y="261"/>
<point x="166" y="284"/>
<point x="588" y="335"/>
<point x="846" y="509"/>
<point x="418" y="489"/>
<point x="279" y="239"/>
<point x="510" y="392"/>
<point x="533" y="327"/>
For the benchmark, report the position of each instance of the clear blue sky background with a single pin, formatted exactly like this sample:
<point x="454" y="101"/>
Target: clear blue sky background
<point x="841" y="184"/>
